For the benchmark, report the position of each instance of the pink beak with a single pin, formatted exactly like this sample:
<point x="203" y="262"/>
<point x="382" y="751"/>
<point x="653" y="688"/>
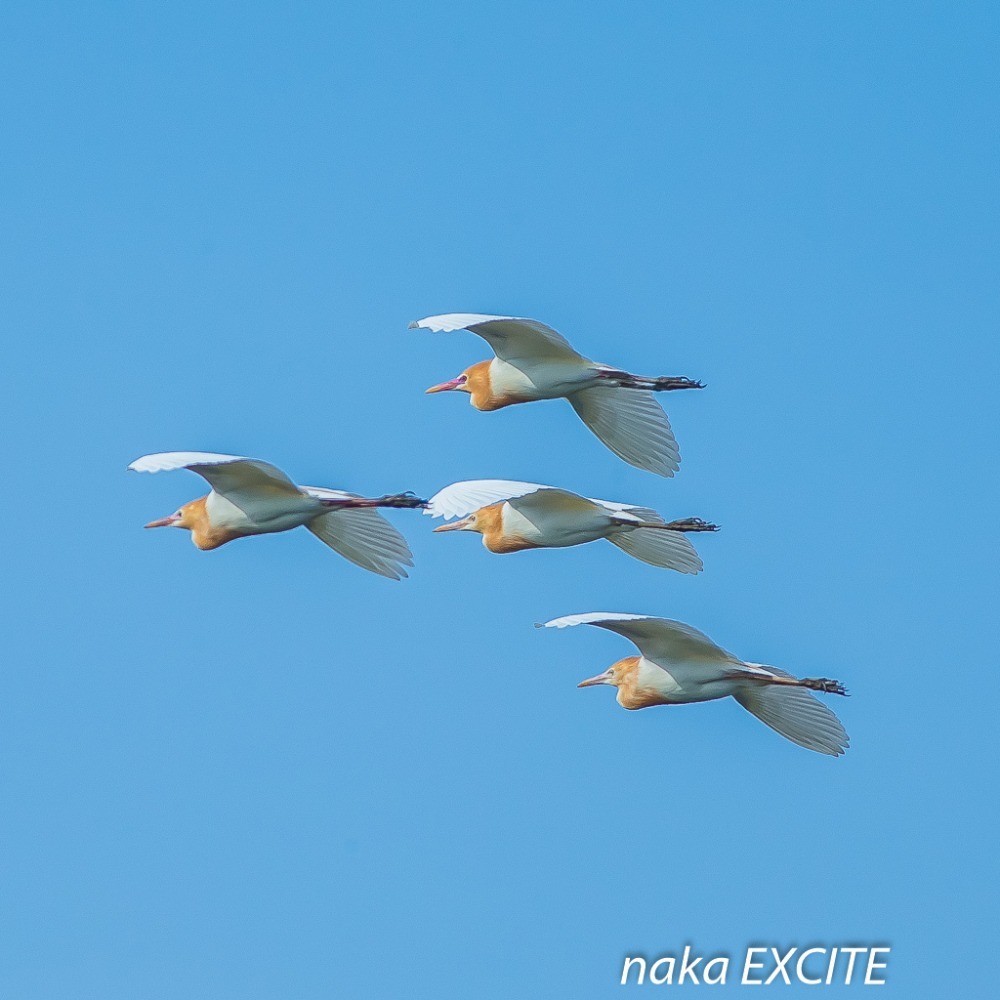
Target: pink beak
<point x="455" y="525"/>
<point x="454" y="383"/>
<point x="604" y="678"/>
<point x="164" y="522"/>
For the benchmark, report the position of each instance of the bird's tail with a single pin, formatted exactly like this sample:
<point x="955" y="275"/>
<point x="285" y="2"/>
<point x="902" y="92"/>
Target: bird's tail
<point x="658" y="547"/>
<point x="785" y="704"/>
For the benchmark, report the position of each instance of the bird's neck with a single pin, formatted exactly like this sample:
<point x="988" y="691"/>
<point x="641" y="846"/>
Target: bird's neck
<point x="203" y="533"/>
<point x="496" y="537"/>
<point x="486" y="393"/>
<point x="632" y="693"/>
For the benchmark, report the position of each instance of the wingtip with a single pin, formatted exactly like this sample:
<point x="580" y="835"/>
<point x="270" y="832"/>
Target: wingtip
<point x="413" y="325"/>
<point x="666" y="471"/>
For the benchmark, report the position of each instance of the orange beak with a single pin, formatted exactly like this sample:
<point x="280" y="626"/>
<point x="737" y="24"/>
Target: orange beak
<point x="604" y="678"/>
<point x="455" y="525"/>
<point x="164" y="522"/>
<point x="454" y="383"/>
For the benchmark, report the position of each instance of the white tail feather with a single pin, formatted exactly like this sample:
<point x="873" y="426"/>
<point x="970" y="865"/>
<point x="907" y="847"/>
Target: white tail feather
<point x="658" y="547"/>
<point x="366" y="538"/>
<point x="796" y="714"/>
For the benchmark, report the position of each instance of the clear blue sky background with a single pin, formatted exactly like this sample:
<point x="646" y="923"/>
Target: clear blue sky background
<point x="264" y="773"/>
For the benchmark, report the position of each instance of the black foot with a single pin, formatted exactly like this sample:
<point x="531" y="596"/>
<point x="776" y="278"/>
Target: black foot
<point x="691" y="524"/>
<point x="402" y="501"/>
<point x="824" y="684"/>
<point x="664" y="383"/>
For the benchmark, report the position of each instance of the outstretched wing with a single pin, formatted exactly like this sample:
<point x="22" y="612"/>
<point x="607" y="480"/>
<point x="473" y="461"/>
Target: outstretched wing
<point x="362" y="535"/>
<point x="795" y="713"/>
<point x="463" y="498"/>
<point x="243" y="481"/>
<point x="513" y="339"/>
<point x="632" y="424"/>
<point x="667" y="549"/>
<point x="661" y="640"/>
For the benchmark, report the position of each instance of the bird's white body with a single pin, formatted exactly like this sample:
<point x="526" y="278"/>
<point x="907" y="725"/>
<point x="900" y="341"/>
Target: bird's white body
<point x="269" y="514"/>
<point x="549" y="379"/>
<point x="534" y="362"/>
<point x="679" y="665"/>
<point x="683" y="683"/>
<point x="555" y="529"/>
<point x="512" y="516"/>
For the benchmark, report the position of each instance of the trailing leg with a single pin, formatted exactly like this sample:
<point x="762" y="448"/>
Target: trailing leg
<point x="825" y="684"/>
<point x="401" y="501"/>
<point x="660" y="383"/>
<point x="687" y="524"/>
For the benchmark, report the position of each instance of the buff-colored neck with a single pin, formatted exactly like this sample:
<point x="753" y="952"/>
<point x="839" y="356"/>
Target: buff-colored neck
<point x="479" y="383"/>
<point x="203" y="533"/>
<point x="630" y="694"/>
<point x="489" y="522"/>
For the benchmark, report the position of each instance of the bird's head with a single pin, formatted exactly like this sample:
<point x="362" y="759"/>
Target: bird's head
<point x="616" y="675"/>
<point x="189" y="517"/>
<point x="458" y="384"/>
<point x="471" y="523"/>
<point x="487" y="521"/>
<point x="475" y="380"/>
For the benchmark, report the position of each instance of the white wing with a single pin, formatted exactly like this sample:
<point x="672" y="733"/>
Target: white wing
<point x="365" y="537"/>
<point x="245" y="482"/>
<point x="666" y="549"/>
<point x="661" y="640"/>
<point x="632" y="424"/>
<point x="512" y="338"/>
<point x="463" y="498"/>
<point x="796" y="714"/>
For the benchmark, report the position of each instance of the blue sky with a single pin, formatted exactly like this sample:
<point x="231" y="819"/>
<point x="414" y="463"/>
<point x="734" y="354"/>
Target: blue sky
<point x="261" y="772"/>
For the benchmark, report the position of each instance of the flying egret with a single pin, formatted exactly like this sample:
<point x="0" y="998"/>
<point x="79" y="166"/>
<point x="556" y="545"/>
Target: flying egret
<point x="251" y="497"/>
<point x="534" y="362"/>
<point x="512" y="516"/>
<point x="678" y="665"/>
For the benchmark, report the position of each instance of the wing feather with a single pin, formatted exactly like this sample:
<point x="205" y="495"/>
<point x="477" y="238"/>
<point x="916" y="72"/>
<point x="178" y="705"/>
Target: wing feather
<point x="661" y="640"/>
<point x="513" y="338"/>
<point x="632" y="424"/>
<point x="667" y="549"/>
<point x="246" y="482"/>
<point x="463" y="498"/>
<point x="366" y="538"/>
<point x="795" y="714"/>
